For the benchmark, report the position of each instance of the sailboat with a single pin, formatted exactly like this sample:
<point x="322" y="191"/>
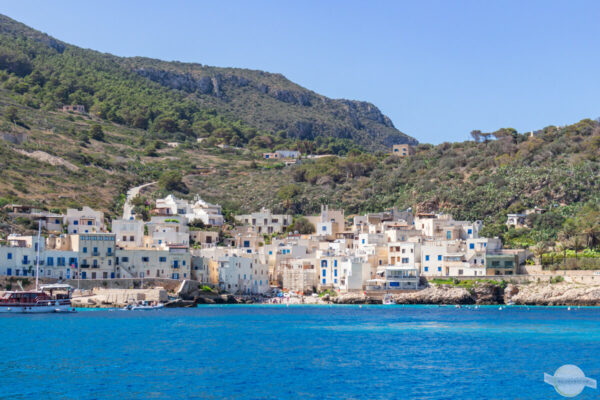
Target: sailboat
<point x="44" y="299"/>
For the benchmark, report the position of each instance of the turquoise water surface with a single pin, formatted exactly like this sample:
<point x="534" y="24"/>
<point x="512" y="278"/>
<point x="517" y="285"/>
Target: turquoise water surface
<point x="297" y="352"/>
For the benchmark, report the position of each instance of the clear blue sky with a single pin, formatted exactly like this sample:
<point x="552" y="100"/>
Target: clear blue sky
<point x="438" y="69"/>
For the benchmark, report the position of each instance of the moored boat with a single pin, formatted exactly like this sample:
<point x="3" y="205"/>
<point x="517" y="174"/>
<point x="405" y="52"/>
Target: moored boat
<point x="48" y="299"/>
<point x="143" y="306"/>
<point x="388" y="300"/>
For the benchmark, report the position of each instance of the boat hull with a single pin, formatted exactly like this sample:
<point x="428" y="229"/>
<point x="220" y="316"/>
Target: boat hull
<point x="46" y="307"/>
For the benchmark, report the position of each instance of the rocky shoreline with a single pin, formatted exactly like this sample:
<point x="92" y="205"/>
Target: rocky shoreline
<point x="483" y="293"/>
<point x="560" y="294"/>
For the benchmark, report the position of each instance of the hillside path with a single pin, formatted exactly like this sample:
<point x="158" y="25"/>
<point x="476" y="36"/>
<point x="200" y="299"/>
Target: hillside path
<point x="131" y="194"/>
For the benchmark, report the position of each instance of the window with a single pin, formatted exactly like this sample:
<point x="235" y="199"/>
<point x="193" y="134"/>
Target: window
<point x="85" y="249"/>
<point x="335" y="281"/>
<point x="449" y="235"/>
<point x="363" y="241"/>
<point x="131" y="238"/>
<point x="75" y="222"/>
<point x="323" y="281"/>
<point x="109" y="251"/>
<point x="50" y="261"/>
<point x="405" y="260"/>
<point x="324" y="228"/>
<point x="335" y="272"/>
<point x="427" y="258"/>
<point x="89" y="222"/>
<point x="162" y="259"/>
<point x="323" y="263"/>
<point x="9" y="256"/>
<point x="470" y="231"/>
<point x="460" y="271"/>
<point x="439" y="269"/>
<point x="183" y="263"/>
<point x="124" y="238"/>
<point x="439" y="258"/>
<point x="426" y="269"/>
<point x="145" y="259"/>
<point x="125" y="259"/>
<point x="508" y="263"/>
<point x="335" y="263"/>
<point x="471" y="245"/>
<point x="324" y="274"/>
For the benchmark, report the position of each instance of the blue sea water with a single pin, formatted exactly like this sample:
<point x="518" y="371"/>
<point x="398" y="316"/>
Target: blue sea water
<point x="297" y="352"/>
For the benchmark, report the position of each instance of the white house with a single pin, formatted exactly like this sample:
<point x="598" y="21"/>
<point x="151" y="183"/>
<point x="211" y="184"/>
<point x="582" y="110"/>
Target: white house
<point x="243" y="275"/>
<point x="85" y="220"/>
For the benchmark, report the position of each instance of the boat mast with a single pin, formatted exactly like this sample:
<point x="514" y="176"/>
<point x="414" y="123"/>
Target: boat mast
<point x="37" y="261"/>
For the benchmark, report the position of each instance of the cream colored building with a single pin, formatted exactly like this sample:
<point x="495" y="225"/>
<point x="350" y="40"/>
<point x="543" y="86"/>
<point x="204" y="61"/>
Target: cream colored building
<point x="172" y="264"/>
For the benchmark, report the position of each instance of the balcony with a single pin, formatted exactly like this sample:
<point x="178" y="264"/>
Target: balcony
<point x="26" y="262"/>
<point x="95" y="253"/>
<point x="85" y="265"/>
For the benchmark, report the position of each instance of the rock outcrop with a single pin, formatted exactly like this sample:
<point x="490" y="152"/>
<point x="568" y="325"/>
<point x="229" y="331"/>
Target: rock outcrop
<point x="553" y="294"/>
<point x="353" y="298"/>
<point x="436" y="295"/>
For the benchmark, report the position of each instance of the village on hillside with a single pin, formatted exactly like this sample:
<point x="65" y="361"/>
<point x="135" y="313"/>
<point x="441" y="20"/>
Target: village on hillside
<point x="382" y="251"/>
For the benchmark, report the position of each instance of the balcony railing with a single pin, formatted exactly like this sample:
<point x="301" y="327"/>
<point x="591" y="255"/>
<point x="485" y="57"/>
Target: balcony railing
<point x="95" y="253"/>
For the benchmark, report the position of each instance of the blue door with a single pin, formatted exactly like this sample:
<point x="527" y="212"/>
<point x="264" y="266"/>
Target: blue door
<point x="83" y="275"/>
<point x="175" y="264"/>
<point x="112" y="275"/>
<point x="9" y="271"/>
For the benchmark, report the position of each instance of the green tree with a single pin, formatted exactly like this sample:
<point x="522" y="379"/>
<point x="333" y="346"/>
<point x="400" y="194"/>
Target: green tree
<point x="303" y="226"/>
<point x="97" y="133"/>
<point x="288" y="194"/>
<point x="12" y="114"/>
<point x="172" y="181"/>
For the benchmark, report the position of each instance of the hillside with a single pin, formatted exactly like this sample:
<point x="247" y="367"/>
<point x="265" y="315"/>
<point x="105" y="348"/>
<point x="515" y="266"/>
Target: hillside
<point x="56" y="160"/>
<point x="185" y="101"/>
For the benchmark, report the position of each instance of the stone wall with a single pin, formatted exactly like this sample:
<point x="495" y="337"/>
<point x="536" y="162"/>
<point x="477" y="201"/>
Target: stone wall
<point x="170" y="285"/>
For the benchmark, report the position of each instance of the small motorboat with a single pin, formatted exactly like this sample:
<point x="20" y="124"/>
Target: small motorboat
<point x="388" y="300"/>
<point x="143" y="306"/>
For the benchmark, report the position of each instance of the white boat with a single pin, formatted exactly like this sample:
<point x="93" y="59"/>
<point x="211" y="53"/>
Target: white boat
<point x="48" y="299"/>
<point x="144" y="306"/>
<point x="388" y="300"/>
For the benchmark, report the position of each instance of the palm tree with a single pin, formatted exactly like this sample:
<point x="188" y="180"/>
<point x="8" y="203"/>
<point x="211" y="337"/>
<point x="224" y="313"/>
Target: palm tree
<point x="539" y="250"/>
<point x="561" y="247"/>
<point x="576" y="244"/>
